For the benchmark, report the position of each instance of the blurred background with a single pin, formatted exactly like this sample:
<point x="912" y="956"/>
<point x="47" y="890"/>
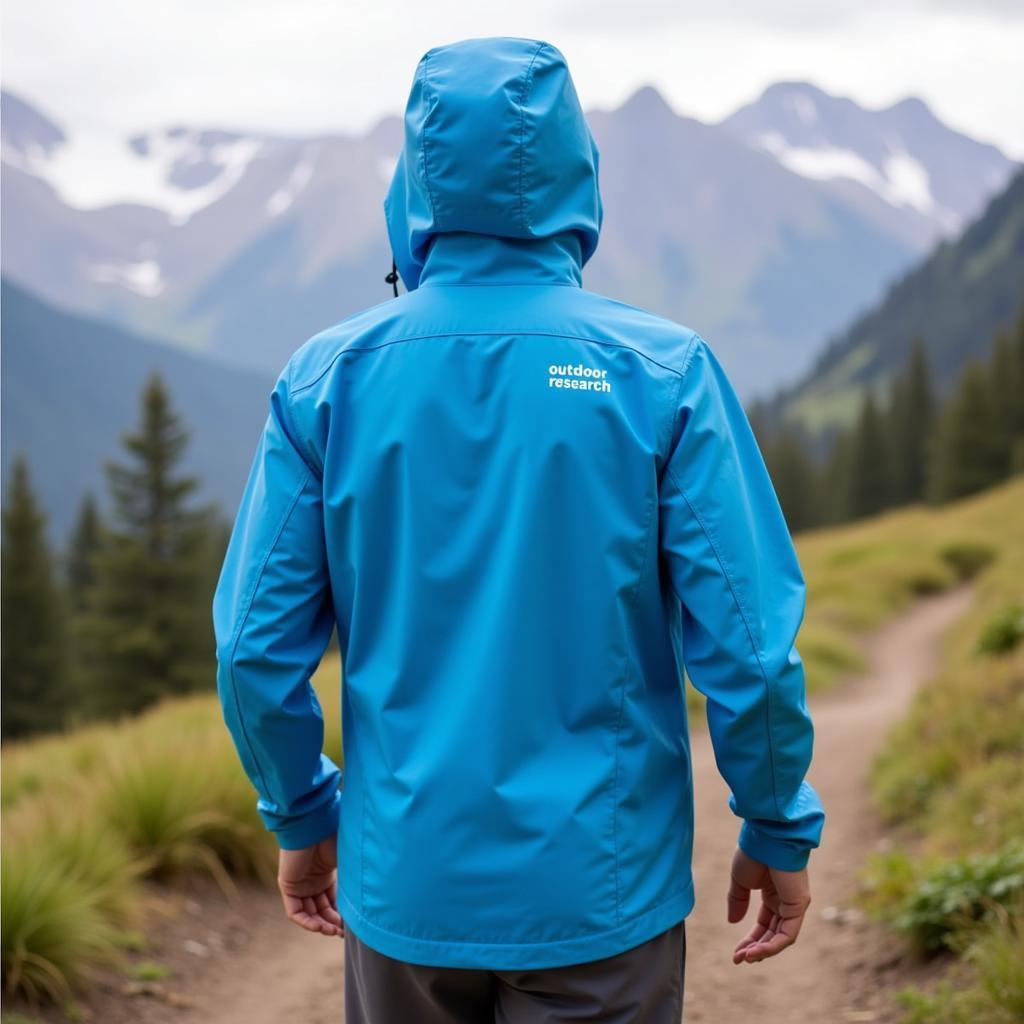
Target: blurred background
<point x="831" y="194"/>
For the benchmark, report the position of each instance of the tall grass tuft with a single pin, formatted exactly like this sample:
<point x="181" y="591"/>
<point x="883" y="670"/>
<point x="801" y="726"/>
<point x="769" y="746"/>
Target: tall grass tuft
<point x="69" y="889"/>
<point x="181" y="809"/>
<point x="56" y="927"/>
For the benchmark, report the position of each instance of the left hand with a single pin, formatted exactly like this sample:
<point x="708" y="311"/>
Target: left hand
<point x="308" y="882"/>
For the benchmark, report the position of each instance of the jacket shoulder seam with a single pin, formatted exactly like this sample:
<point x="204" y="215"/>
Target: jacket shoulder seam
<point x="302" y="446"/>
<point x="477" y="334"/>
<point x="676" y="405"/>
<point x="744" y="617"/>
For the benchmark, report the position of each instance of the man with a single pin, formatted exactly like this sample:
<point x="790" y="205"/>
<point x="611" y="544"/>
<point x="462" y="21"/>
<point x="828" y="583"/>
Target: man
<point x="527" y="508"/>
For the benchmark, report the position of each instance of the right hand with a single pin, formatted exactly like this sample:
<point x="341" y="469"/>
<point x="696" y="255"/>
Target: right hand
<point x="308" y="882"/>
<point x="785" y="897"/>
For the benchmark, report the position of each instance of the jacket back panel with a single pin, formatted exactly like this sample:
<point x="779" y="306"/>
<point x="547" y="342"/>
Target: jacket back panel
<point x="514" y="725"/>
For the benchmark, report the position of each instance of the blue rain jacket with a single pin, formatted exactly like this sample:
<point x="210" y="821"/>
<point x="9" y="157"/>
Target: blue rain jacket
<point x="528" y="509"/>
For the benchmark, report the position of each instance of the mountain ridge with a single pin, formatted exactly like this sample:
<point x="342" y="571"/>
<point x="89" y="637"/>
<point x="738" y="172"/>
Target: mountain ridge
<point x="244" y="244"/>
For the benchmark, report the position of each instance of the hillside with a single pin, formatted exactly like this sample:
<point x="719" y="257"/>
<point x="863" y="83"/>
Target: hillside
<point x="954" y="300"/>
<point x="83" y="862"/>
<point x="71" y="386"/>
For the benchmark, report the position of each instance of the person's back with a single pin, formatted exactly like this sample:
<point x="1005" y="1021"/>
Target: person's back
<point x="527" y="507"/>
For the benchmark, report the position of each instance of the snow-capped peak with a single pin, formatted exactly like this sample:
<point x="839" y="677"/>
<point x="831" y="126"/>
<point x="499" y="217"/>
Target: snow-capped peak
<point x="176" y="170"/>
<point x="901" y="153"/>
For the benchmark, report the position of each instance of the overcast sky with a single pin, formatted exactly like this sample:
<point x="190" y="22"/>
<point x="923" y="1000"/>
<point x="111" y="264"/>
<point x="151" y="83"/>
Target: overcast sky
<point x="302" y="65"/>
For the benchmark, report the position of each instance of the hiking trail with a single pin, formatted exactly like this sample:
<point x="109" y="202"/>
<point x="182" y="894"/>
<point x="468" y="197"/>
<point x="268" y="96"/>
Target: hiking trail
<point x="275" y="971"/>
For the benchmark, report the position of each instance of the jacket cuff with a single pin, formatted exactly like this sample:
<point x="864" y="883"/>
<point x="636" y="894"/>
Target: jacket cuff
<point x="783" y="854"/>
<point x="309" y="829"/>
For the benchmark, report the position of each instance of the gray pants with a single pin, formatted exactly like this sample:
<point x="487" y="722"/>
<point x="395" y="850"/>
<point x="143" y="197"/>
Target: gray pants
<point x="642" y="985"/>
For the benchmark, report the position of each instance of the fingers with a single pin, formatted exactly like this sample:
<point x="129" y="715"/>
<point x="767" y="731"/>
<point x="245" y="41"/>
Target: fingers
<point x="745" y="874"/>
<point x="765" y="924"/>
<point x="774" y="941"/>
<point x="738" y="900"/>
<point x="309" y="913"/>
<point x="327" y="910"/>
<point x="780" y="932"/>
<point x="785" y="897"/>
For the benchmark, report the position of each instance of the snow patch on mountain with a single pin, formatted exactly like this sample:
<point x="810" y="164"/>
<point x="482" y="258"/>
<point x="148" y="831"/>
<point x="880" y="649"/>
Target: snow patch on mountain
<point x="297" y="181"/>
<point x="93" y="171"/>
<point x="901" y="181"/>
<point x="144" y="277"/>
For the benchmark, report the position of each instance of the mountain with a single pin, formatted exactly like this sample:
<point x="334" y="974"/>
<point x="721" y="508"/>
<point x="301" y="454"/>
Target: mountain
<point x="955" y="300"/>
<point x="71" y="387"/>
<point x="238" y="245"/>
<point x="902" y="154"/>
<point x="241" y="245"/>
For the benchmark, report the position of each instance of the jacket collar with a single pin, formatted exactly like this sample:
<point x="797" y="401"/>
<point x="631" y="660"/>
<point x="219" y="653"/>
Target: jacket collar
<point x="465" y="258"/>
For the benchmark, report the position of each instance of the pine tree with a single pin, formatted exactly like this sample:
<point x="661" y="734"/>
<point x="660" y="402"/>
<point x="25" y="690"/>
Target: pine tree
<point x="795" y="480"/>
<point x="912" y="417"/>
<point x="836" y="484"/>
<point x="966" y="453"/>
<point x="146" y="633"/>
<point x="1017" y="389"/>
<point x="85" y="541"/>
<point x="869" y="481"/>
<point x="32" y="656"/>
<point x="896" y="426"/>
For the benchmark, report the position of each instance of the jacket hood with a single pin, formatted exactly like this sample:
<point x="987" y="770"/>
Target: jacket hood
<point x="496" y="145"/>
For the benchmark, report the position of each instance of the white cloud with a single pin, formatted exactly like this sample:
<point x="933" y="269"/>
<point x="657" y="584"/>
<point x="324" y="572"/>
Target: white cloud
<point x="311" y="65"/>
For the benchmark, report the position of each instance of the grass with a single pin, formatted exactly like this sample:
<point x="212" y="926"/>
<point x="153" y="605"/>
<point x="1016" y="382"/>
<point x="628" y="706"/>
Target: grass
<point x="987" y="984"/>
<point x="149" y="970"/>
<point x="950" y="782"/>
<point x="56" y="928"/>
<point x="91" y="813"/>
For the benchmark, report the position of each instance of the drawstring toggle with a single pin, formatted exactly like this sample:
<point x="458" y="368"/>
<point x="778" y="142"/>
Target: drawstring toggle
<point x="392" y="278"/>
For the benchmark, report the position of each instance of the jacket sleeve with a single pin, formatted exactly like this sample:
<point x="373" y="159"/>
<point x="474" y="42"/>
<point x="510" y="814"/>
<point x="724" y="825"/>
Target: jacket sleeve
<point x="732" y="564"/>
<point x="273" y="618"/>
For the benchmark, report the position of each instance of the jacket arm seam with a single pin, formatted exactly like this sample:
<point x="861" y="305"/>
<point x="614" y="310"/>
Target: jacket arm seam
<point x="734" y="591"/>
<point x="243" y="619"/>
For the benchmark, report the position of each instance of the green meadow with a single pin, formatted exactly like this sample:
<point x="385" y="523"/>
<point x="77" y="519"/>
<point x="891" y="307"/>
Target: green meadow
<point x="91" y="814"/>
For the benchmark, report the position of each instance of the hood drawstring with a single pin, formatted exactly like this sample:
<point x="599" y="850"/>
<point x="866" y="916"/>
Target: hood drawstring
<point x="392" y="278"/>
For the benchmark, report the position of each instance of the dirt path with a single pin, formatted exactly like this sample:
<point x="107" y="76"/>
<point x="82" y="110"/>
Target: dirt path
<point x="277" y="972"/>
<point x="826" y="976"/>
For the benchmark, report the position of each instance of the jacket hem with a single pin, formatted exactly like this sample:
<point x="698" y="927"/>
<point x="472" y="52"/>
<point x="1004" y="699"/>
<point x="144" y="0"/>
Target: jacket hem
<point x="502" y="956"/>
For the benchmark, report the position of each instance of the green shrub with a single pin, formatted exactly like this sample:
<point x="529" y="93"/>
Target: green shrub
<point x="955" y="894"/>
<point x="967" y="557"/>
<point x="926" y="580"/>
<point x="991" y="988"/>
<point x="1003" y="632"/>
